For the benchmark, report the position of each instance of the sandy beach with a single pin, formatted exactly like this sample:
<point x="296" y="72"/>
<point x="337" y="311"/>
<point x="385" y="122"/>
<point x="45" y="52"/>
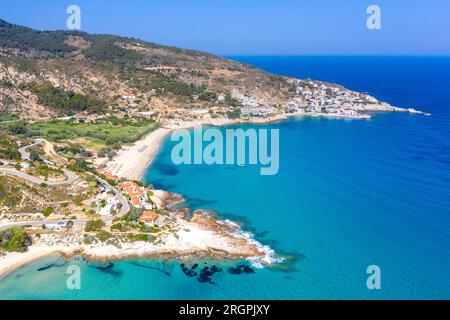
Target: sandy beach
<point x="14" y="260"/>
<point x="132" y="161"/>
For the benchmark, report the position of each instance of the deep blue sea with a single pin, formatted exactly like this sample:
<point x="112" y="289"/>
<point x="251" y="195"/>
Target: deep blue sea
<point x="349" y="194"/>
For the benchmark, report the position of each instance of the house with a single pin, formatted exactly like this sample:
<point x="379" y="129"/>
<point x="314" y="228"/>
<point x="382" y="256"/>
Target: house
<point x="149" y="216"/>
<point x="109" y="206"/>
<point x="266" y="110"/>
<point x="136" y="201"/>
<point x="134" y="191"/>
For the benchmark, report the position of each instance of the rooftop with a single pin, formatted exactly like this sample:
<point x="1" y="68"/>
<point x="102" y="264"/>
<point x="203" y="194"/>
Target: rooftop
<point x="149" y="216"/>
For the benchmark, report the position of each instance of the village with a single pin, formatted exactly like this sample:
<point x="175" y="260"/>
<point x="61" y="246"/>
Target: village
<point x="310" y="98"/>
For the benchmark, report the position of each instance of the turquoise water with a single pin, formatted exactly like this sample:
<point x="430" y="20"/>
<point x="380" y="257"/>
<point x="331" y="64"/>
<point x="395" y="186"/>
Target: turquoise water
<point x="349" y="194"/>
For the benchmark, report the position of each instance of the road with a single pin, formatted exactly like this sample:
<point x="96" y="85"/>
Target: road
<point x="24" y="154"/>
<point x="71" y="177"/>
<point x="8" y="225"/>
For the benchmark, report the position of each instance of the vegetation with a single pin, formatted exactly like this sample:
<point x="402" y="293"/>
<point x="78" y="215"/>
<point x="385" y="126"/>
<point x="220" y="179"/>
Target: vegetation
<point x="103" y="235"/>
<point x="66" y="102"/>
<point x="94" y="225"/>
<point x="35" y="155"/>
<point x="14" y="36"/>
<point x="15" y="239"/>
<point x="107" y="152"/>
<point x="8" y="147"/>
<point x="109" y="131"/>
<point x="166" y="84"/>
<point x="10" y="196"/>
<point x="119" y="227"/>
<point x="230" y="101"/>
<point x="235" y="114"/>
<point x="79" y="166"/>
<point x="6" y="117"/>
<point x="47" y="211"/>
<point x="208" y="96"/>
<point x="104" y="49"/>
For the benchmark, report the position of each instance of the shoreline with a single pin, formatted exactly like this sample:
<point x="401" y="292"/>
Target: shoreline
<point x="15" y="260"/>
<point x="132" y="162"/>
<point x="200" y="238"/>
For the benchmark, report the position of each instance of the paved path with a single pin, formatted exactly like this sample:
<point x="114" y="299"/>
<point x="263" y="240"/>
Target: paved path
<point x="71" y="177"/>
<point x="24" y="154"/>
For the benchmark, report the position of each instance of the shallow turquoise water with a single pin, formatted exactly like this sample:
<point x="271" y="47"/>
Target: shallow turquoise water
<point x="349" y="194"/>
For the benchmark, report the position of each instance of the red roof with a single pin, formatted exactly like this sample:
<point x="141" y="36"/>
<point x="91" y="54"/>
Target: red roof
<point x="149" y="216"/>
<point x="136" y="201"/>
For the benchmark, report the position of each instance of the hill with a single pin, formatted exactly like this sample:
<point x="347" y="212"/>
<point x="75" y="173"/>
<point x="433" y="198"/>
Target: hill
<point x="46" y="74"/>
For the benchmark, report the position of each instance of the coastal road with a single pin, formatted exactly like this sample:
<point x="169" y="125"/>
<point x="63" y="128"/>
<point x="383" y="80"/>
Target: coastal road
<point x="38" y="223"/>
<point x="71" y="177"/>
<point x="8" y="225"/>
<point x="125" y="207"/>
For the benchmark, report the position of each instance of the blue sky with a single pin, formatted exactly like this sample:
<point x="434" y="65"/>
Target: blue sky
<point x="256" y="27"/>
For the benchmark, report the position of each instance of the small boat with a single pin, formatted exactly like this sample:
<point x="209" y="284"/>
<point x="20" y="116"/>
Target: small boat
<point x="240" y="165"/>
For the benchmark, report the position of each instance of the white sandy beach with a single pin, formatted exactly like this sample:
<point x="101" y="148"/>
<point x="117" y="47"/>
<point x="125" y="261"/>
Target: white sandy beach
<point x="14" y="260"/>
<point x="132" y="161"/>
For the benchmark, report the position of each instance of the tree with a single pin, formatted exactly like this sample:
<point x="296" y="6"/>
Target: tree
<point x="34" y="155"/>
<point x="103" y="152"/>
<point x="15" y="239"/>
<point x="235" y="114"/>
<point x="69" y="224"/>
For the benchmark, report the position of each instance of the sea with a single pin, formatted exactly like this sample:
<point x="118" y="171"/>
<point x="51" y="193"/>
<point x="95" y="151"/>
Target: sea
<point x="349" y="195"/>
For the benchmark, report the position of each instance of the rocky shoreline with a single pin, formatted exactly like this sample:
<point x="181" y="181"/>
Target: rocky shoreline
<point x="204" y="236"/>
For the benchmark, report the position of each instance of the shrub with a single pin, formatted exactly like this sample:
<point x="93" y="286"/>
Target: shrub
<point x="47" y="211"/>
<point x="94" y="225"/>
<point x="103" y="235"/>
<point x="118" y="227"/>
